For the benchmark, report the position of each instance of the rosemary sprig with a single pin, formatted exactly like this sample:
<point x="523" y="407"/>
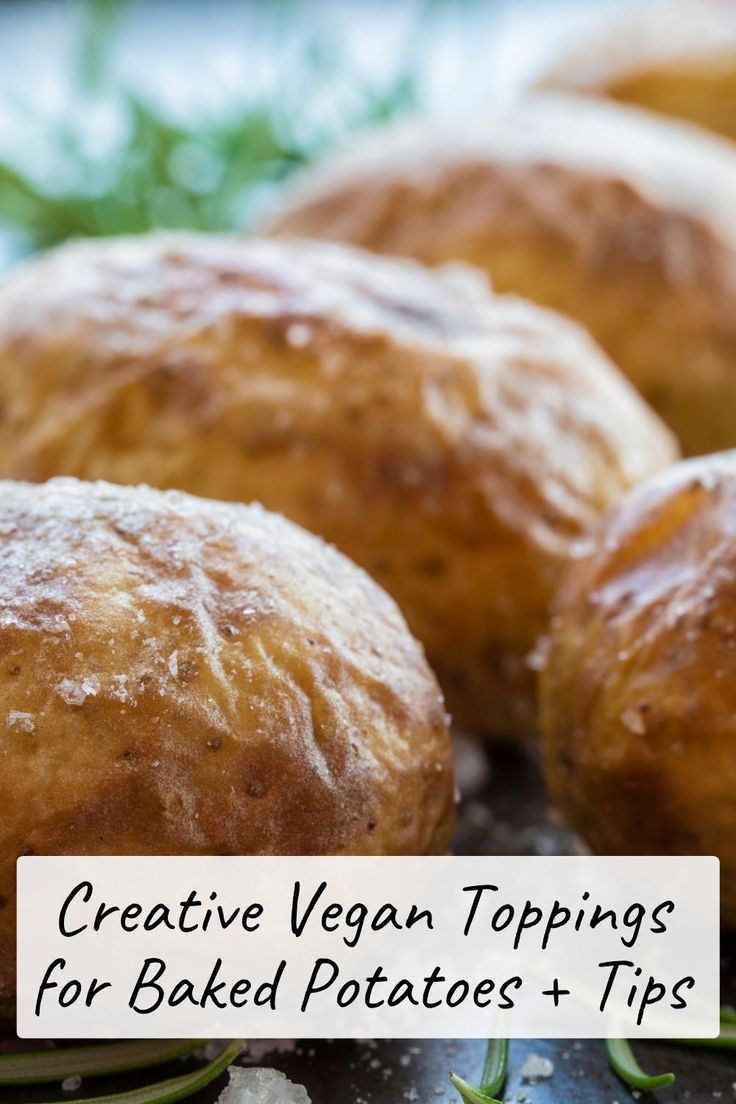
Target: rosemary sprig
<point x="40" y="1067"/>
<point x="492" y="1078"/>
<point x="623" y="1062"/>
<point x="212" y="173"/>
<point x="175" y="1088"/>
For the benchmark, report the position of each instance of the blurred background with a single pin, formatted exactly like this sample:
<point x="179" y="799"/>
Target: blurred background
<point x="121" y="115"/>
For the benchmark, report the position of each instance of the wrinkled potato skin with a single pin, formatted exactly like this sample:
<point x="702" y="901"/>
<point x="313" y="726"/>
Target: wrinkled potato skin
<point x="638" y="696"/>
<point x="252" y="691"/>
<point x="456" y="445"/>
<point x="675" y="58"/>
<point x="618" y="218"/>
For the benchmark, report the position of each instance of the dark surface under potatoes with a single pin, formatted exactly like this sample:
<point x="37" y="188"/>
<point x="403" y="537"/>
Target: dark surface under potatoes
<point x="504" y="811"/>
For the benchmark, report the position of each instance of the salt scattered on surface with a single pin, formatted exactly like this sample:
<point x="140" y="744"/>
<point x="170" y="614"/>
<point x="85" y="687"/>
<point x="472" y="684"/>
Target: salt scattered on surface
<point x="76" y="693"/>
<point x="537" y="1068"/>
<point x="120" y="690"/>
<point x="257" y="1085"/>
<point x="23" y="722"/>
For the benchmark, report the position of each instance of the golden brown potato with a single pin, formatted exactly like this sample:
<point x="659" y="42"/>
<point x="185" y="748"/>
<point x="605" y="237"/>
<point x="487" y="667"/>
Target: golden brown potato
<point x="181" y="676"/>
<point x="638" y="701"/>
<point x="621" y="219"/>
<point x="677" y="57"/>
<point x="454" y="444"/>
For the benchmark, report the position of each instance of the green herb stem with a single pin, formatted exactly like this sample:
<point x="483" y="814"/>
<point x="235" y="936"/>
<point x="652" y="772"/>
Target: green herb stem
<point x="493" y="1076"/>
<point x="176" y="1088"/>
<point x="210" y="172"/>
<point x="623" y="1062"/>
<point x="40" y="1067"/>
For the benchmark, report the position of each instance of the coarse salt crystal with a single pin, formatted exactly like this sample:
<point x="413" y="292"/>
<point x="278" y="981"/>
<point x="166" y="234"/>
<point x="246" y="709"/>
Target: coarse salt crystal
<point x="258" y="1085"/>
<point x="537" y="1068"/>
<point x="76" y="693"/>
<point x="24" y="722"/>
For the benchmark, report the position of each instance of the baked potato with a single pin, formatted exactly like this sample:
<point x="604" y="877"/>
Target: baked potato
<point x="181" y="676"/>
<point x="619" y="218"/>
<point x="456" y="445"/>
<point x="676" y="57"/>
<point x="638" y="697"/>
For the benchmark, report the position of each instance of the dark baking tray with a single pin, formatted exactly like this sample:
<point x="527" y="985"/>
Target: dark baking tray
<point x="505" y="812"/>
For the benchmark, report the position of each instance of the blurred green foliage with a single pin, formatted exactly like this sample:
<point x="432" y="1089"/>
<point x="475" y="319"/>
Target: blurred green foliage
<point x="209" y="173"/>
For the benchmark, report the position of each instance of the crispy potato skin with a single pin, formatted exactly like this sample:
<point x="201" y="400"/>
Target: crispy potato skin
<point x="616" y="217"/>
<point x="456" y="445"/>
<point x="181" y="676"/>
<point x="678" y="59"/>
<point x="638" y="695"/>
